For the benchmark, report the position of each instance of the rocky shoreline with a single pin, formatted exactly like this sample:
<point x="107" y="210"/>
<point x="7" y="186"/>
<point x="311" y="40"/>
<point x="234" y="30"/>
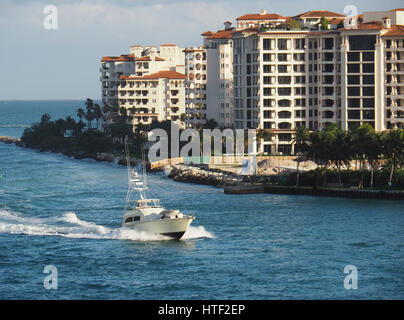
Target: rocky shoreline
<point x="190" y="173"/>
<point x="202" y="174"/>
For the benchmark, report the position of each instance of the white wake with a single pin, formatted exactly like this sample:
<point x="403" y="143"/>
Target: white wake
<point x="70" y="226"/>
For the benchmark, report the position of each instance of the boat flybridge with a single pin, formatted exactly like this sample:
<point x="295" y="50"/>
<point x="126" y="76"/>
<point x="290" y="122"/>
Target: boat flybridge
<point x="147" y="214"/>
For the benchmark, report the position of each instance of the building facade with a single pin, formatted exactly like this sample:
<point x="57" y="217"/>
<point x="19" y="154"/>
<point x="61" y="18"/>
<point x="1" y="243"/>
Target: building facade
<point x="284" y="79"/>
<point x="149" y="84"/>
<point x="261" y="74"/>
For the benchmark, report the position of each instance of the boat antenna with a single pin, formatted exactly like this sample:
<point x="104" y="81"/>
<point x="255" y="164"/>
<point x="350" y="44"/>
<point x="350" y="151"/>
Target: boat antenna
<point x="142" y="149"/>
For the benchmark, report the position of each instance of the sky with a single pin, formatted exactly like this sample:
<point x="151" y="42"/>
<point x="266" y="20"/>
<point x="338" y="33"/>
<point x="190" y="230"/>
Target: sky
<point x="41" y="64"/>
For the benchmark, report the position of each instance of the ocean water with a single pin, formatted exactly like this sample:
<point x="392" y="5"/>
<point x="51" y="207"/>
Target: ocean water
<point x="59" y="211"/>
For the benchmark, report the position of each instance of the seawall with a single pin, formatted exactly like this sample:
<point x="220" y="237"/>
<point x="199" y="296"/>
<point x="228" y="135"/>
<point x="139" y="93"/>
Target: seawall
<point x="319" y="192"/>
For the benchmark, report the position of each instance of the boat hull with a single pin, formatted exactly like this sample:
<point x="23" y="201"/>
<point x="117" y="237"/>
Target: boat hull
<point x="173" y="228"/>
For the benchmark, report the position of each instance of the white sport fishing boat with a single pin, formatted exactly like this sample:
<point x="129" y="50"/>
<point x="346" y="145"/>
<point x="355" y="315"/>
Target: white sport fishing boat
<point x="147" y="214"/>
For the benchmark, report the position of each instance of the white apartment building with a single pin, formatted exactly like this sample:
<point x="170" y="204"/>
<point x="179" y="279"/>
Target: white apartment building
<point x="151" y="86"/>
<point x="195" y="87"/>
<point x="209" y="72"/>
<point x="284" y="79"/>
<point x="111" y="70"/>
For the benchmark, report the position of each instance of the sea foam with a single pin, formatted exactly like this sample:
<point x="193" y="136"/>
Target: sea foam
<point x="70" y="226"/>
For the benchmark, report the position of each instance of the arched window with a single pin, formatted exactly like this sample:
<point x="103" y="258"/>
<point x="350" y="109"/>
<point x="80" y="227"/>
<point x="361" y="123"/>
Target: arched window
<point x="284" y="125"/>
<point x="284" y="103"/>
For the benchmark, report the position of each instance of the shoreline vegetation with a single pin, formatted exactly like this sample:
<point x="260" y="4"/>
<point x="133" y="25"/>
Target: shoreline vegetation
<point x="357" y="160"/>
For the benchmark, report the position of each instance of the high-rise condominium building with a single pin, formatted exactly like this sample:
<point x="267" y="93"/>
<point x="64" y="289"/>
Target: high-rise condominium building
<point x="284" y="78"/>
<point x="269" y="73"/>
<point x="147" y="82"/>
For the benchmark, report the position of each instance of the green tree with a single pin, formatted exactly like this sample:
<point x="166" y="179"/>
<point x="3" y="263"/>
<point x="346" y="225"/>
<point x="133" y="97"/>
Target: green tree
<point x="89" y="115"/>
<point x="301" y="145"/>
<point x="393" y="150"/>
<point x="362" y="140"/>
<point x="80" y="113"/>
<point x="97" y="114"/>
<point x="292" y="24"/>
<point x="324" y="24"/>
<point x="341" y="152"/>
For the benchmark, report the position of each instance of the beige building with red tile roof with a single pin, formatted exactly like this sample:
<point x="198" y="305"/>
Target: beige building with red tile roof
<point x="148" y="83"/>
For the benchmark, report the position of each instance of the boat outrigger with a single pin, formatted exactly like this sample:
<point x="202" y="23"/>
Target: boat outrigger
<point x="147" y="214"/>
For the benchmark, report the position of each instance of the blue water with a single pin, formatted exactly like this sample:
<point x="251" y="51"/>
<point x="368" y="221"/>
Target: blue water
<point x="58" y="211"/>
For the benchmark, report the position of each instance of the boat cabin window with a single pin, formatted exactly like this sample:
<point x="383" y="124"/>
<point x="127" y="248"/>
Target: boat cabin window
<point x="136" y="218"/>
<point x="130" y="219"/>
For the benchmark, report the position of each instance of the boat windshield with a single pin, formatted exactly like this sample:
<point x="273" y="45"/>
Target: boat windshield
<point x="148" y="203"/>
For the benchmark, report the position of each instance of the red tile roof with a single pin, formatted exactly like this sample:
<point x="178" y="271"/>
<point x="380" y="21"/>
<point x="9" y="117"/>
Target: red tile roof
<point x="123" y="58"/>
<point x="168" y="45"/>
<point x="399" y="9"/>
<point x="255" y="16"/>
<point x="147" y="58"/>
<point x="319" y="14"/>
<point x="158" y="75"/>
<point x="336" y="21"/>
<point x="396" y="30"/>
<point x="371" y="25"/>
<point x="207" y="33"/>
<point x="222" y="34"/>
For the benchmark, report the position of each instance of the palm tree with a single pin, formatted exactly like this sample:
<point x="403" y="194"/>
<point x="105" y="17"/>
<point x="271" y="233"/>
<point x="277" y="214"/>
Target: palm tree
<point x="97" y="114"/>
<point x="263" y="135"/>
<point x="393" y="150"/>
<point x="374" y="152"/>
<point x="341" y="151"/>
<point x="210" y="124"/>
<point x="301" y="146"/>
<point x="80" y="113"/>
<point x="89" y="115"/>
<point x="363" y="139"/>
<point x="45" y="119"/>
<point x="70" y="125"/>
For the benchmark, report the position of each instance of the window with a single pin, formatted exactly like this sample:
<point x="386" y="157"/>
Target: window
<point x="282" y="57"/>
<point x="368" y="91"/>
<point x="284" y="137"/>
<point x="353" y="114"/>
<point x="353" y="91"/>
<point x="328" y="43"/>
<point x="282" y="44"/>
<point x="267" y="44"/>
<point x="368" y="114"/>
<point x="267" y="92"/>
<point x="368" y="103"/>
<point x="353" y="56"/>
<point x="368" y="79"/>
<point x="282" y="68"/>
<point x="284" y="115"/>
<point x="353" y="68"/>
<point x="130" y="219"/>
<point x="284" y="91"/>
<point x="299" y="43"/>
<point x="353" y="79"/>
<point x="267" y="68"/>
<point x="284" y="80"/>
<point x="267" y="57"/>
<point x="354" y="103"/>
<point x="362" y="42"/>
<point x="368" y="68"/>
<point x="285" y="125"/>
<point x="136" y="218"/>
<point x="284" y="103"/>
<point x="368" y="56"/>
